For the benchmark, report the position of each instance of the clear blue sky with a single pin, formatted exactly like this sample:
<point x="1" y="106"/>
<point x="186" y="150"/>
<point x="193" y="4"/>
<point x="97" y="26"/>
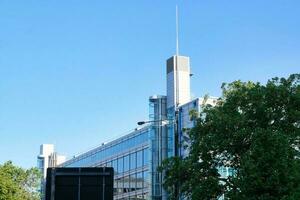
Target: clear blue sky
<point x="77" y="73"/>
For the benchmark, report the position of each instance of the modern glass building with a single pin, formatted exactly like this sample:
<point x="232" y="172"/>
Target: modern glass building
<point x="129" y="156"/>
<point x="136" y="156"/>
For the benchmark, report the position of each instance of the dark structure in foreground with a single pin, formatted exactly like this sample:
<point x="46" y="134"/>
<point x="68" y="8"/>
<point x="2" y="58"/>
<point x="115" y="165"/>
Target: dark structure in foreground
<point x="79" y="183"/>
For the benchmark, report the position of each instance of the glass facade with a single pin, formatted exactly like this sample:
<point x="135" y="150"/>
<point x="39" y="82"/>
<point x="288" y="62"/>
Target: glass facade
<point x="129" y="156"/>
<point x="171" y="127"/>
<point x="136" y="156"/>
<point x="158" y="143"/>
<point x="108" y="150"/>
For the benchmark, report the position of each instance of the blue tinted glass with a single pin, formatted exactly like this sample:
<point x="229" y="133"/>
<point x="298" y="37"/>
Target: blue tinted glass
<point x="120" y="165"/>
<point x="115" y="166"/>
<point x="126" y="184"/>
<point x="139" y="181"/>
<point x="132" y="161"/>
<point x="146" y="179"/>
<point x="126" y="163"/>
<point x="133" y="182"/>
<point x="146" y="157"/>
<point x="139" y="159"/>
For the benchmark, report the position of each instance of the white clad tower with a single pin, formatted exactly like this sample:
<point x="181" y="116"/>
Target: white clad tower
<point x="178" y="81"/>
<point x="178" y="76"/>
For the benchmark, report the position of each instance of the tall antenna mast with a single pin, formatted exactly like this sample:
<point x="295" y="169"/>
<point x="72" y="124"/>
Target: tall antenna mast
<point x="177" y="37"/>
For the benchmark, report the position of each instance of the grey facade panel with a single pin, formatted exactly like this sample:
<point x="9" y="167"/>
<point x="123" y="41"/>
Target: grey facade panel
<point x="183" y="63"/>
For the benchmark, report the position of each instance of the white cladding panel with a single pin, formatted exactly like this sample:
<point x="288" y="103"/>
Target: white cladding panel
<point x="178" y="81"/>
<point x="183" y="87"/>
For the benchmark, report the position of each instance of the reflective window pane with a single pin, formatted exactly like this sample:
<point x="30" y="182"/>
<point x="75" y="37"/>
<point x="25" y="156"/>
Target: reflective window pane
<point x="132" y="182"/>
<point x="139" y="181"/>
<point x="126" y="184"/>
<point x="120" y="185"/>
<point x="146" y="156"/>
<point x="126" y="163"/>
<point x="115" y="166"/>
<point x="120" y="165"/>
<point x="139" y="159"/>
<point x="132" y="161"/>
<point x="146" y="179"/>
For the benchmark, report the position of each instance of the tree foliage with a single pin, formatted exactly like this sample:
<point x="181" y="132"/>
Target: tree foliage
<point x="19" y="184"/>
<point x="254" y="130"/>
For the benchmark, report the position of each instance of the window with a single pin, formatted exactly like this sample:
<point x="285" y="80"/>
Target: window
<point x="139" y="159"/>
<point x="146" y="157"/>
<point x="120" y="165"/>
<point x="115" y="166"/>
<point x="126" y="184"/>
<point x="116" y="186"/>
<point x="139" y="181"/>
<point x="132" y="161"/>
<point x="146" y="179"/>
<point x="41" y="162"/>
<point x="133" y="182"/>
<point x="120" y="185"/>
<point x="126" y="163"/>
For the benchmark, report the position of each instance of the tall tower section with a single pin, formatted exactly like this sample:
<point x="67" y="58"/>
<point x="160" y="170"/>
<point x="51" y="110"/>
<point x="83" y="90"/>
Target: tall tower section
<point x="178" y="81"/>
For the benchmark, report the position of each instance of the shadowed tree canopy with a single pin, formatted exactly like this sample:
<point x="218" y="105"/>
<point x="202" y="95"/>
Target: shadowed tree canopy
<point x="19" y="184"/>
<point x="255" y="131"/>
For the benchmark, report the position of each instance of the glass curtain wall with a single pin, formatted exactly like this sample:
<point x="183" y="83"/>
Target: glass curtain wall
<point x="129" y="156"/>
<point x="159" y="143"/>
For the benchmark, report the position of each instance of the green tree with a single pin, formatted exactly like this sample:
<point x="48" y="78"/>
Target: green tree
<point x="254" y="130"/>
<point x="19" y="184"/>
